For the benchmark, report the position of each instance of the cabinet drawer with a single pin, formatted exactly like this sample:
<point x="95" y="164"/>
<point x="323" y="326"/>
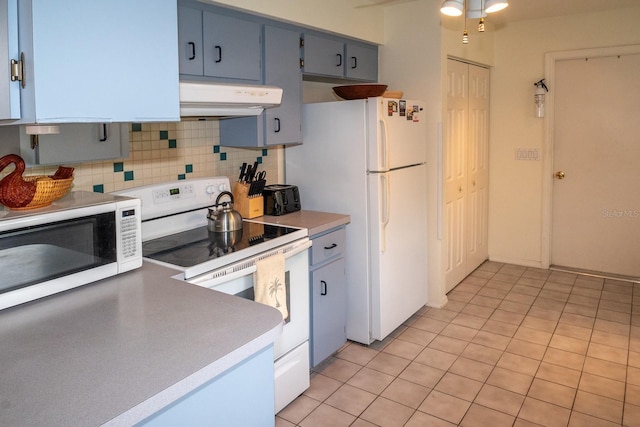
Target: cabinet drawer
<point x="328" y="246"/>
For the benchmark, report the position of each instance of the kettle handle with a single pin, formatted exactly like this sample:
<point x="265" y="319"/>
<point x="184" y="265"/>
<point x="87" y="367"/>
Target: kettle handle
<point x="222" y="194"/>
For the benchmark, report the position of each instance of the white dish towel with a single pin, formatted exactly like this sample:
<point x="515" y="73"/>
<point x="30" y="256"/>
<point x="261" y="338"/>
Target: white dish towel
<point x="269" y="285"/>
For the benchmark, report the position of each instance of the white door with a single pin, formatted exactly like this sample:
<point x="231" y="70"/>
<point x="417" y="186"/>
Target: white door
<point x="596" y="202"/>
<point x="455" y="172"/>
<point x="398" y="247"/>
<point x="466" y="171"/>
<point x="477" y="232"/>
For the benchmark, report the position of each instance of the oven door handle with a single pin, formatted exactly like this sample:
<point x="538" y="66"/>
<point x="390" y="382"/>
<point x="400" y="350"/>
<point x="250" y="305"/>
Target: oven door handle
<point x="227" y="274"/>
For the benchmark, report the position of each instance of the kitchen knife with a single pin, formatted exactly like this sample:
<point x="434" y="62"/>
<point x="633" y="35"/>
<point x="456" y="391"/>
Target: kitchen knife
<point x="254" y="170"/>
<point x="242" y="172"/>
<point x="247" y="175"/>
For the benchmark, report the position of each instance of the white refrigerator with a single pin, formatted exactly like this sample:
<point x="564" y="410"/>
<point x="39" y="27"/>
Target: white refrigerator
<point x="367" y="158"/>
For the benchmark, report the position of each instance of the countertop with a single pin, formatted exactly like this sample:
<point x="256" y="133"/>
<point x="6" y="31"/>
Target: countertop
<point x="118" y="350"/>
<point x="316" y="222"/>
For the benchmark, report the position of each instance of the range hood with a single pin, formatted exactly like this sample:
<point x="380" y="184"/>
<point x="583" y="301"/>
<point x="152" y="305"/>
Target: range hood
<point x="206" y="99"/>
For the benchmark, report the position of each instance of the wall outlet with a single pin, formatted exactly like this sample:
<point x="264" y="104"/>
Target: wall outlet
<point x="527" y="154"/>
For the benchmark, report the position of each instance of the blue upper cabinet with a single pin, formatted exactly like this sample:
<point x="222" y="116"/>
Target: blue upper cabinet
<point x="323" y="56"/>
<point x="98" y="61"/>
<point x="217" y="45"/>
<point x="190" y="41"/>
<point x="361" y="62"/>
<point x="9" y="91"/>
<point x="280" y="125"/>
<point x="232" y="47"/>
<point x="334" y="57"/>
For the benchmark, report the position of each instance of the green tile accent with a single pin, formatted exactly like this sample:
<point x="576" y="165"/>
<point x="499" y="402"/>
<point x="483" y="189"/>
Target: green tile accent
<point x="128" y="176"/>
<point x="118" y="167"/>
<point x="216" y="149"/>
<point x="98" y="188"/>
<point x="173" y="143"/>
<point x="182" y="176"/>
<point x="136" y="127"/>
<point x="259" y="160"/>
<point x="223" y="156"/>
<point x="164" y="134"/>
<point x="264" y="152"/>
<point x="188" y="168"/>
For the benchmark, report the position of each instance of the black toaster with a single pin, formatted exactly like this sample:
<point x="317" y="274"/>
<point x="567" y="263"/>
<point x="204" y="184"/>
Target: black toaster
<point x="280" y="199"/>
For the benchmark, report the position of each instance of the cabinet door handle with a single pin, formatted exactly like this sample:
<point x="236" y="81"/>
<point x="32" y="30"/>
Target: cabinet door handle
<point x="354" y="61"/>
<point x="333" y="245"/>
<point x="105" y="135"/>
<point x="339" y="55"/>
<point x="219" y="51"/>
<point x="277" y="125"/>
<point x="192" y="45"/>
<point x="323" y="287"/>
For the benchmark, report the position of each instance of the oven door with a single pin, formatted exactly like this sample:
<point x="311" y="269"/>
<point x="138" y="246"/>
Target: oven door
<point x="237" y="279"/>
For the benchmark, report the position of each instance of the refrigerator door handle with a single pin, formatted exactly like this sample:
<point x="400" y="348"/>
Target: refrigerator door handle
<point x="385" y="203"/>
<point x="384" y="146"/>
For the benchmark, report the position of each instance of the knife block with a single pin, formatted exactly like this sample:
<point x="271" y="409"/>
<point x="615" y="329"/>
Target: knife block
<point x="248" y="207"/>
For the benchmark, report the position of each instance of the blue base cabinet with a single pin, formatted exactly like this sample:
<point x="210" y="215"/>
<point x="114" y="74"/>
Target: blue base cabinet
<point x="328" y="294"/>
<point x="242" y="396"/>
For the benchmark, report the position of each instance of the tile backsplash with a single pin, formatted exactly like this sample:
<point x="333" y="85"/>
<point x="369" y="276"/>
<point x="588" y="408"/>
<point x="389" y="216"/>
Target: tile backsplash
<point x="162" y="152"/>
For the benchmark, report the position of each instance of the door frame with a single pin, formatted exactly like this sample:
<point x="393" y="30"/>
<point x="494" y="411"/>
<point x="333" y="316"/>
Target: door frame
<point x="550" y="59"/>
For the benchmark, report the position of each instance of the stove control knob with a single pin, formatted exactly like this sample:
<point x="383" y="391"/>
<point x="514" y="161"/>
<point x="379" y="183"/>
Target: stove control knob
<point x="222" y="187"/>
<point x="210" y="190"/>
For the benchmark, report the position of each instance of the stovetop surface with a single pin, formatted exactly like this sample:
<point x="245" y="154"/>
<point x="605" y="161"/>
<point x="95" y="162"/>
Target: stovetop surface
<point x="199" y="245"/>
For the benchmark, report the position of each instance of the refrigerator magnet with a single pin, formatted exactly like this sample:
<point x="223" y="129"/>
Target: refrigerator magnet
<point x="392" y="107"/>
<point x="403" y="107"/>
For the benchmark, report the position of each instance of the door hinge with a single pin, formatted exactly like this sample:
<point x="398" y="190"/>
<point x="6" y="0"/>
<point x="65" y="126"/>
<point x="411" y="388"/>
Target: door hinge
<point x="17" y="70"/>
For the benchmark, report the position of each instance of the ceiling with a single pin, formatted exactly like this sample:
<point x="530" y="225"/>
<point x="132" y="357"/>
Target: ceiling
<point x="520" y="10"/>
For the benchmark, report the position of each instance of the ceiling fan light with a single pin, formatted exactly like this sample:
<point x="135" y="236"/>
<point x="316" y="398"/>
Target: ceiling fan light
<point x="495" y="5"/>
<point x="452" y="7"/>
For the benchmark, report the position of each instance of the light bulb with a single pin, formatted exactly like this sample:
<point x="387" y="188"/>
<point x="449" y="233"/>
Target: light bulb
<point x="481" y="25"/>
<point x="465" y="37"/>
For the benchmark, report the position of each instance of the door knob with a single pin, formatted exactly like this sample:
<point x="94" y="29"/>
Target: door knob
<point x="560" y="175"/>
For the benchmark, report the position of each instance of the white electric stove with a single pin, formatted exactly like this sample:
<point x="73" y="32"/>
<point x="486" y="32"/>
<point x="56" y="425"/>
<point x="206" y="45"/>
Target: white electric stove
<point x="175" y="234"/>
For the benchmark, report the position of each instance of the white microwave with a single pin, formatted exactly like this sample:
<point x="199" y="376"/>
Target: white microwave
<point x="81" y="238"/>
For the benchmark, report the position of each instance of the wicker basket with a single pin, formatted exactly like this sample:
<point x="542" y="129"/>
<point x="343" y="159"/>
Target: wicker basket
<point x="48" y="190"/>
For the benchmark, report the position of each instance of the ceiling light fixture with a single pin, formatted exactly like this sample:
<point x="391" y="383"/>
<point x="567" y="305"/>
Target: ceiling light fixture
<point x="472" y="9"/>
<point x="495" y="5"/>
<point x="452" y="7"/>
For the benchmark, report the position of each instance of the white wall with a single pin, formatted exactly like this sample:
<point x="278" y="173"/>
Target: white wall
<point x="515" y="232"/>
<point x="338" y="16"/>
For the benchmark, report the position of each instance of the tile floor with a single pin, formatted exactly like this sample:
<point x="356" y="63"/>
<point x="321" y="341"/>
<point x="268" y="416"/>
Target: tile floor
<point x="514" y="346"/>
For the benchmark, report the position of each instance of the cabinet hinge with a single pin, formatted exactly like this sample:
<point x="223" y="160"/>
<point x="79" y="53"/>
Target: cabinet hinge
<point x="17" y="70"/>
<point x="301" y="42"/>
<point x="301" y="63"/>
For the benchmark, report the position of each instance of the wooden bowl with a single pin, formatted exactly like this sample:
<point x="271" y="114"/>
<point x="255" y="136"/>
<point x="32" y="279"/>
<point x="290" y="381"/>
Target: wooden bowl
<point x="359" y="91"/>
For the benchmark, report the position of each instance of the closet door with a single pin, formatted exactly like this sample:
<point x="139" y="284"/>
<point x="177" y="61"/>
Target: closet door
<point x="466" y="173"/>
<point x="455" y="137"/>
<point x="478" y="168"/>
